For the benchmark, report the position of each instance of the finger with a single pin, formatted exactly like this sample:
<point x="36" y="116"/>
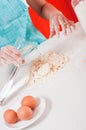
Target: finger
<point x="51" y="29"/>
<point x="57" y="26"/>
<point x="10" y="52"/>
<point x="68" y="26"/>
<point x="23" y="61"/>
<point x="72" y="24"/>
<point x="57" y="31"/>
<point x="13" y="49"/>
<point x="13" y="60"/>
<point x="8" y="59"/>
<point x="69" y="23"/>
<point x="51" y="33"/>
<point x="63" y="24"/>
<point x="3" y="61"/>
<point x="12" y="55"/>
<point x="64" y="28"/>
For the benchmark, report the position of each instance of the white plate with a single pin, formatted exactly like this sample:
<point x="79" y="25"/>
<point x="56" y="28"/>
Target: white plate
<point x="36" y="115"/>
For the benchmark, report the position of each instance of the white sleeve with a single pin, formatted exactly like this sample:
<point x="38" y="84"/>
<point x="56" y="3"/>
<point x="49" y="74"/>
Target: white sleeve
<point x="24" y="1"/>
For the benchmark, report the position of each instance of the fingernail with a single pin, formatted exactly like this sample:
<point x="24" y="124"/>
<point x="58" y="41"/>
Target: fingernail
<point x="23" y="61"/>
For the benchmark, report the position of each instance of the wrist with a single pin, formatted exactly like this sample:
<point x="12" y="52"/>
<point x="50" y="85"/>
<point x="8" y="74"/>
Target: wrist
<point x="55" y="13"/>
<point x="48" y="11"/>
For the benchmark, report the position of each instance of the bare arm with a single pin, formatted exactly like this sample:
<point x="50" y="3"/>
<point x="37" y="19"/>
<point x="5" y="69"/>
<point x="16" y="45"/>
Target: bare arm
<point x="55" y="16"/>
<point x="43" y="8"/>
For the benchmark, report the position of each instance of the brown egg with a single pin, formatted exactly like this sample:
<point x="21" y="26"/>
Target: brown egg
<point x="24" y="113"/>
<point x="29" y="101"/>
<point x="10" y="116"/>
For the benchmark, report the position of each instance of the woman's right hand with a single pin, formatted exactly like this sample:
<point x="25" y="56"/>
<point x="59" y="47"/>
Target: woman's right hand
<point x="10" y="55"/>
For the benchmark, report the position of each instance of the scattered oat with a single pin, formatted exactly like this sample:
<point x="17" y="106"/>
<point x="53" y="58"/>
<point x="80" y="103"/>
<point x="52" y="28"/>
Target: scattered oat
<point x="44" y="66"/>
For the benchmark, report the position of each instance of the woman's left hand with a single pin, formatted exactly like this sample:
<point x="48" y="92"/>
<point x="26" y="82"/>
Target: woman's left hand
<point x="59" y="21"/>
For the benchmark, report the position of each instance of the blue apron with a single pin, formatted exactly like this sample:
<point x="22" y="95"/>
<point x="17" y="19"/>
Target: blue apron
<point x="15" y="23"/>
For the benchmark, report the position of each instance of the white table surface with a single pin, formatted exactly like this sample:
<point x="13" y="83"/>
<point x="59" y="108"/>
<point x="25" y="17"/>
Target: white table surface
<point x="65" y="93"/>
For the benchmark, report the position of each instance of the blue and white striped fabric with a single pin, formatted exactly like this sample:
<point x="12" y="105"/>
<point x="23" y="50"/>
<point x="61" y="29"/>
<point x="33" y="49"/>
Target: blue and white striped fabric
<point x="15" y="23"/>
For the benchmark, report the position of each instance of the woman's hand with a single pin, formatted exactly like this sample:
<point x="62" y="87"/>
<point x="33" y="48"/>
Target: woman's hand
<point x="10" y="54"/>
<point x="59" y="21"/>
<point x="56" y="18"/>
